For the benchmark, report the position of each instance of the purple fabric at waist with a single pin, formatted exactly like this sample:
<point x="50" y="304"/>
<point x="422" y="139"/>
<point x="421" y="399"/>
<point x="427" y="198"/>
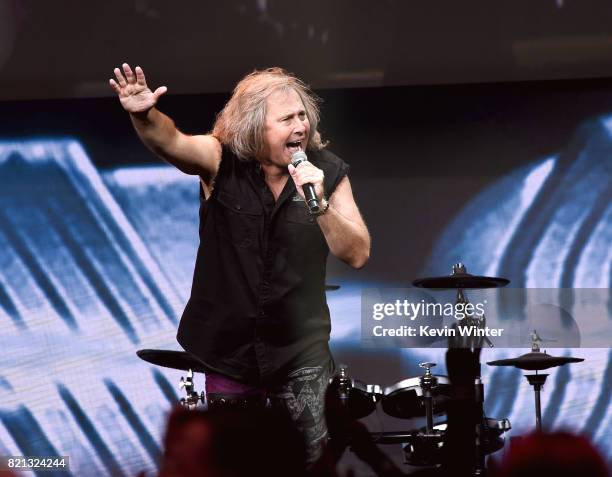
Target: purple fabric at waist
<point x="217" y="383"/>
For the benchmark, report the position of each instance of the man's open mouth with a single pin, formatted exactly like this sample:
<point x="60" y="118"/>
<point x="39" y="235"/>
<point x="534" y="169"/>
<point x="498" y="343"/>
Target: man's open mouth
<point x="294" y="146"/>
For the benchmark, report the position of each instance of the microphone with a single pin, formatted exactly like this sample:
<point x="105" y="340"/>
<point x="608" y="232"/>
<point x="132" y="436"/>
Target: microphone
<point x="309" y="191"/>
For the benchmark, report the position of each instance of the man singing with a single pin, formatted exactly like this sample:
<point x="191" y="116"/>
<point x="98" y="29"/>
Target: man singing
<point x="257" y="316"/>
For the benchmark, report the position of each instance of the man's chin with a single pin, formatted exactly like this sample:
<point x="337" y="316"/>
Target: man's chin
<point x="280" y="161"/>
<point x="285" y="159"/>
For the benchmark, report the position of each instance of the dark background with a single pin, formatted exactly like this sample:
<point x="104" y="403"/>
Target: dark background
<point x="67" y="48"/>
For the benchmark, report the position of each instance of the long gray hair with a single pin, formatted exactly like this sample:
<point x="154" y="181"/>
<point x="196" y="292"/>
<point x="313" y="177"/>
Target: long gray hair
<point x="241" y="123"/>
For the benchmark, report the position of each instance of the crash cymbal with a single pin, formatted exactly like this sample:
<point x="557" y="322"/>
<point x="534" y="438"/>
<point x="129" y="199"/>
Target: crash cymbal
<point x="331" y="287"/>
<point x="171" y="359"/>
<point x="461" y="280"/>
<point x="535" y="361"/>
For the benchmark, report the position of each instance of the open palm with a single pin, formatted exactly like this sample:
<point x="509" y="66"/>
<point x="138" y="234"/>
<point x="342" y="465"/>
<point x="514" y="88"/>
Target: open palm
<point x="132" y="89"/>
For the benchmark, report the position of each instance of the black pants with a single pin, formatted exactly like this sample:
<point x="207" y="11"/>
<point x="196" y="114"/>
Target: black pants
<point x="301" y="395"/>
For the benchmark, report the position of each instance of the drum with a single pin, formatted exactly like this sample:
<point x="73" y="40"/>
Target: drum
<point x="494" y="428"/>
<point x="405" y="399"/>
<point x="498" y="425"/>
<point x="421" y="448"/>
<point x="362" y="398"/>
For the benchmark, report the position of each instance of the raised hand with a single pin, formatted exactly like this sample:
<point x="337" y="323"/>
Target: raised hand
<point x="134" y="94"/>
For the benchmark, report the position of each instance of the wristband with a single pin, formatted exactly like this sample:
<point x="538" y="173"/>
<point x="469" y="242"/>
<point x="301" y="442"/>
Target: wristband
<point x="323" y="209"/>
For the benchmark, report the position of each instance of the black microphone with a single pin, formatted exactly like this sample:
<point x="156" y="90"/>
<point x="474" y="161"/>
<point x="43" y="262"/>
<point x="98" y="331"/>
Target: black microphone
<point x="309" y="191"/>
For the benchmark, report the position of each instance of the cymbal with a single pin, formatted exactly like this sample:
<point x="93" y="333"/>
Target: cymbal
<point x="461" y="280"/>
<point x="535" y="361"/>
<point x="172" y="359"/>
<point x="331" y="287"/>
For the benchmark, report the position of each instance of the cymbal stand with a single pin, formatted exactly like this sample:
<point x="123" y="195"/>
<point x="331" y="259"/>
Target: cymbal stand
<point x="428" y="383"/>
<point x="191" y="401"/>
<point x="537" y="381"/>
<point x="475" y="344"/>
<point x="344" y="385"/>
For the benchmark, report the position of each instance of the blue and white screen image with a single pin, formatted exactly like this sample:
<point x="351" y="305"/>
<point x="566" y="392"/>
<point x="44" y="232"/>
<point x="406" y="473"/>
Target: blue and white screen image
<point x="96" y="263"/>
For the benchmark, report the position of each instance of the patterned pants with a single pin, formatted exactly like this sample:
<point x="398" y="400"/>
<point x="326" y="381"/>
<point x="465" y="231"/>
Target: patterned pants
<point x="301" y="396"/>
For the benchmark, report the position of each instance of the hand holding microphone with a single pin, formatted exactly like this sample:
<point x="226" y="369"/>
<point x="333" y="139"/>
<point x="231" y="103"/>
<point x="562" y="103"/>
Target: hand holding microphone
<point x="308" y="180"/>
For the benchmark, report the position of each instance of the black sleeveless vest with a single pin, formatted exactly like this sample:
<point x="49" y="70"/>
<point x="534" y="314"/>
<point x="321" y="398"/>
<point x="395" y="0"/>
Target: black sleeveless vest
<point x="258" y="308"/>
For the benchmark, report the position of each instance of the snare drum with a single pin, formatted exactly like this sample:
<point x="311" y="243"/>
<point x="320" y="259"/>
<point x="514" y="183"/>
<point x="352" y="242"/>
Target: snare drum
<point x="405" y="399"/>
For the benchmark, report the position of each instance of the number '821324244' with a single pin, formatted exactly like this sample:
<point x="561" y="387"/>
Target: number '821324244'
<point x="34" y="463"/>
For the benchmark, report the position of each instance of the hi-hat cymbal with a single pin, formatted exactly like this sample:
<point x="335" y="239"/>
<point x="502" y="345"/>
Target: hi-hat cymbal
<point x="461" y="280"/>
<point x="171" y="359"/>
<point x="535" y="361"/>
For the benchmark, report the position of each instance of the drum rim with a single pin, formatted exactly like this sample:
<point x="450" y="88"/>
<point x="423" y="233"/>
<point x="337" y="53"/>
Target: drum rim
<point x="413" y="384"/>
<point x="374" y="389"/>
<point x="502" y="425"/>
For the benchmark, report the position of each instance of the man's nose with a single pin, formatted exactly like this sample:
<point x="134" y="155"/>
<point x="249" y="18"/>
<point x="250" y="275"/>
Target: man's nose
<point x="299" y="127"/>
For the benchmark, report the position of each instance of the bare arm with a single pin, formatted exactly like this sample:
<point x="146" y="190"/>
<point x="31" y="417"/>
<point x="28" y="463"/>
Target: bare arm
<point x="342" y="225"/>
<point x="344" y="229"/>
<point x="197" y="155"/>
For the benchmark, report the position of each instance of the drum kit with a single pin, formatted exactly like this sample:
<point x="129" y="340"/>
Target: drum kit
<point x="426" y="396"/>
